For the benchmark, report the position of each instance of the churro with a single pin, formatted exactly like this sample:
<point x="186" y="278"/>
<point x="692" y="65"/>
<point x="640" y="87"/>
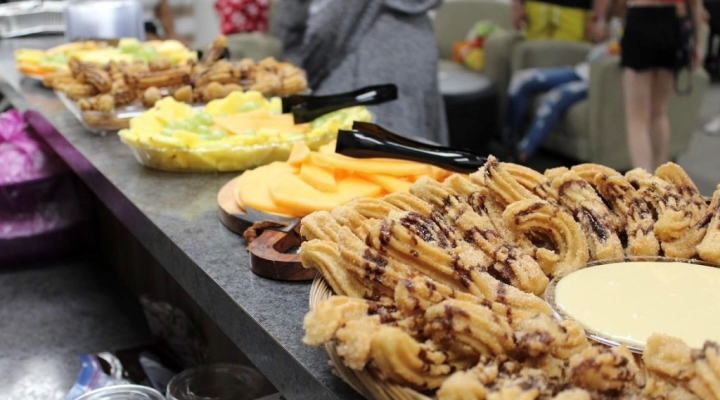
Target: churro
<point x="556" y="226"/>
<point x="578" y="197"/>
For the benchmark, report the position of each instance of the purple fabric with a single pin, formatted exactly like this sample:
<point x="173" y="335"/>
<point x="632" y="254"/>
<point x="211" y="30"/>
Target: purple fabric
<point x="22" y="156"/>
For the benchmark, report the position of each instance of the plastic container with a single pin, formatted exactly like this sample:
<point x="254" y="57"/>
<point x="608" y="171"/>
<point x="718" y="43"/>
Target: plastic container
<point x="223" y="158"/>
<point x="123" y="392"/>
<point x="217" y="382"/>
<point x="98" y="121"/>
<point x="31" y="17"/>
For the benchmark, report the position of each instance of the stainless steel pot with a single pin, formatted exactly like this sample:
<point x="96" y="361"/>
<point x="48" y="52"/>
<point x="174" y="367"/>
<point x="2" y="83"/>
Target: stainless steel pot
<point x="106" y="19"/>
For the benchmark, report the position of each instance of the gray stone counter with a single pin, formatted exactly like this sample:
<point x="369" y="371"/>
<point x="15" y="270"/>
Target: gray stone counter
<point x="175" y="216"/>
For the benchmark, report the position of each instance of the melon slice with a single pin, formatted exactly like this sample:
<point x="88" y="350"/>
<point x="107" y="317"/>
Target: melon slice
<point x="389" y="183"/>
<point x="253" y="121"/>
<point x="369" y="165"/>
<point x="299" y="154"/>
<point x="253" y="189"/>
<point x="291" y="192"/>
<point x="353" y="187"/>
<point x="319" y="178"/>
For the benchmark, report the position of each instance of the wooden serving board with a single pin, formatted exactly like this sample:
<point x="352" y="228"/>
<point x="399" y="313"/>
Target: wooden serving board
<point x="231" y="215"/>
<point x="272" y="253"/>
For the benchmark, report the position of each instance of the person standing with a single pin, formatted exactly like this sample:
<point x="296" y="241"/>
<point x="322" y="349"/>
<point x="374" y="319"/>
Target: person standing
<point x="653" y="38"/>
<point x="159" y="21"/>
<point x="348" y="44"/>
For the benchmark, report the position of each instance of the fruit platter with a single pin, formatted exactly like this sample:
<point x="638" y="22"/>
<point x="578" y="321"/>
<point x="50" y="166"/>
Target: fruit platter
<point x="238" y="132"/>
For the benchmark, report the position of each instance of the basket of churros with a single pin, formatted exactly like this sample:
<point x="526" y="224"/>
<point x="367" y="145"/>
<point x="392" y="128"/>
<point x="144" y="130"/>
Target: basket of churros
<point x="439" y="292"/>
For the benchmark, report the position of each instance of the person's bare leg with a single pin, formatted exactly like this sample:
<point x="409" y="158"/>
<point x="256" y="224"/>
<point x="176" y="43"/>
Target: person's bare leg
<point x="662" y="87"/>
<point x="637" y="87"/>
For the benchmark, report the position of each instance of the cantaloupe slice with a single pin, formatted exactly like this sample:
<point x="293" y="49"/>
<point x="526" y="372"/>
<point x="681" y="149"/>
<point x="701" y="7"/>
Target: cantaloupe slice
<point x="353" y="187"/>
<point x="291" y="192"/>
<point x="242" y="122"/>
<point x="328" y="148"/>
<point x="299" y="154"/>
<point x="438" y="173"/>
<point x="253" y="189"/>
<point x="369" y="165"/>
<point x="318" y="177"/>
<point x="390" y="184"/>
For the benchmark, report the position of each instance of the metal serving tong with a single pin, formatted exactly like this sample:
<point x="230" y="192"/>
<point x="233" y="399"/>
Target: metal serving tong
<point x="306" y="108"/>
<point x="367" y="140"/>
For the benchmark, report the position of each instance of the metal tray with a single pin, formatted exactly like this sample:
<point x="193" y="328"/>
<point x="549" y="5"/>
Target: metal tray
<point x="25" y="18"/>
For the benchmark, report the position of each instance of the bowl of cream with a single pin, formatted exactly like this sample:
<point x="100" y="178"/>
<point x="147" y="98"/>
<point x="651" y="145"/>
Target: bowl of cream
<point x="625" y="301"/>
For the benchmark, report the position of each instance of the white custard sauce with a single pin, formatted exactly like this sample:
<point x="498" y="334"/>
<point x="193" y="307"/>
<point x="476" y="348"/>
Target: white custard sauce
<point x="627" y="302"/>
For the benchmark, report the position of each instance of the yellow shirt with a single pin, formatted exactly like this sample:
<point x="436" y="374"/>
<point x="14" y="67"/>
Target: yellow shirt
<point x="551" y="21"/>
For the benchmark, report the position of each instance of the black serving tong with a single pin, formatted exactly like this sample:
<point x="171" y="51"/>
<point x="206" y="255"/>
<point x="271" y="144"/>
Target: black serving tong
<point x="367" y="140"/>
<point x="306" y="108"/>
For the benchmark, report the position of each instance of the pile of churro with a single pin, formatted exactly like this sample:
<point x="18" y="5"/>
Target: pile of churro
<point x="438" y="289"/>
<point x="117" y="84"/>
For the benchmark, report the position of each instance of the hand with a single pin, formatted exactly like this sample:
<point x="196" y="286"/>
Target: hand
<point x="598" y="31"/>
<point x="519" y="15"/>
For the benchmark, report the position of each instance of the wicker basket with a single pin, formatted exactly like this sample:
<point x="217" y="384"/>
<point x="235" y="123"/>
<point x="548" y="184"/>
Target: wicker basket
<point x="365" y="382"/>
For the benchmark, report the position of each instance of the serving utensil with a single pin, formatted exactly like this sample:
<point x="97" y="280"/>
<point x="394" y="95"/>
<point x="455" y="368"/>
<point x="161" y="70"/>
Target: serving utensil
<point x="306" y="108"/>
<point x="367" y="140"/>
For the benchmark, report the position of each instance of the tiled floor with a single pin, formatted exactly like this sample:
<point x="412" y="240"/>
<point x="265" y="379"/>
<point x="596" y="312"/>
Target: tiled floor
<point x="51" y="313"/>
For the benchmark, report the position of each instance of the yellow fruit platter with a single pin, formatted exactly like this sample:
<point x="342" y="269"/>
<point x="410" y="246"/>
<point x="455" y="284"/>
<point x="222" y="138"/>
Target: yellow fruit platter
<point x="241" y="131"/>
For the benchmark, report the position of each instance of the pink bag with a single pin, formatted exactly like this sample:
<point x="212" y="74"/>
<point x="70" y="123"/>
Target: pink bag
<point x="40" y="198"/>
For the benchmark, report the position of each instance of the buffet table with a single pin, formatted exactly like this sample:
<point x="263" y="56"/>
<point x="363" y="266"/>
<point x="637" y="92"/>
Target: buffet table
<point x="175" y="216"/>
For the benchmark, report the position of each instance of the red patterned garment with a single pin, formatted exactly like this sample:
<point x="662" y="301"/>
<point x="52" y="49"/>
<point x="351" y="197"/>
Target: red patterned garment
<point x="238" y="16"/>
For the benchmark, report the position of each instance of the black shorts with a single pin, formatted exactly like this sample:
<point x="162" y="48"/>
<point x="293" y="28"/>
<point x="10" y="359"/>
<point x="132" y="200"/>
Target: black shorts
<point x="651" y="39"/>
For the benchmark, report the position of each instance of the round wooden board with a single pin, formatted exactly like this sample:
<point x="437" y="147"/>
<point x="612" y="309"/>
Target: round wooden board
<point x="268" y="252"/>
<point x="229" y="211"/>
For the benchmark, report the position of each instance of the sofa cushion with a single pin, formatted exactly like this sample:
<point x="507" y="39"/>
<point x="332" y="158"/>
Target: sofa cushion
<point x="569" y="138"/>
<point x="456" y="80"/>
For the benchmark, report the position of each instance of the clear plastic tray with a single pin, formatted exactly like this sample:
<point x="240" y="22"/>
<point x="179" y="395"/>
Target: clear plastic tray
<point x="220" y="158"/>
<point x="549" y="297"/>
<point x="100" y="122"/>
<point x="97" y="121"/>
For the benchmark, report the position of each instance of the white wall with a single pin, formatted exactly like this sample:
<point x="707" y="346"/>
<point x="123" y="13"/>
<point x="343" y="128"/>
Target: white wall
<point x="206" y="22"/>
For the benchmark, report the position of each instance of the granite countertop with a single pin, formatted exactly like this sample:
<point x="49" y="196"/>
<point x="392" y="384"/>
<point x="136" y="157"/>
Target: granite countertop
<point x="175" y="215"/>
